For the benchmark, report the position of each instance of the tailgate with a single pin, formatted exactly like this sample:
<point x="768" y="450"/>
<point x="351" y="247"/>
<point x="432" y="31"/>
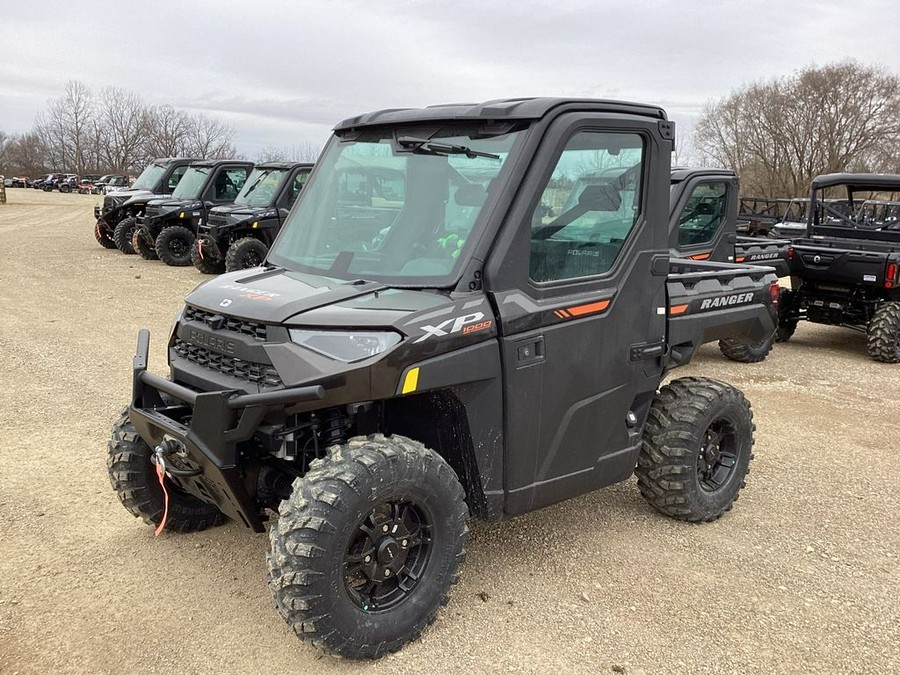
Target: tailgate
<point x="721" y="301"/>
<point x="839" y="266"/>
<point x="769" y="252"/>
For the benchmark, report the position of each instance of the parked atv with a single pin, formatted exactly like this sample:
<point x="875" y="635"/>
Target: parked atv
<point x="846" y="271"/>
<point x="377" y="388"/>
<point x="168" y="227"/>
<point x="116" y="218"/>
<point x="238" y="236"/>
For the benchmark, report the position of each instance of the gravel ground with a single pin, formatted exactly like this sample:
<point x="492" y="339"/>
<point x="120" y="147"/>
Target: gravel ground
<point x="801" y="577"/>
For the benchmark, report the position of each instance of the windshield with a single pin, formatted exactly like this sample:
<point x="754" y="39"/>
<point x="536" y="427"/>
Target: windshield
<point x="149" y="177"/>
<point x="261" y="188"/>
<point x="394" y="208"/>
<point x="191" y="185"/>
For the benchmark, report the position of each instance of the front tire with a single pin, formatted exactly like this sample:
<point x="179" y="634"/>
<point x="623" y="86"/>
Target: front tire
<point x="143" y="246"/>
<point x="368" y="545"/>
<point x="101" y="234"/>
<point x="123" y="234"/>
<point x="133" y="477"/>
<point x="883" y="334"/>
<point x="173" y="246"/>
<point x="697" y="447"/>
<point x="205" y="264"/>
<point x="244" y="254"/>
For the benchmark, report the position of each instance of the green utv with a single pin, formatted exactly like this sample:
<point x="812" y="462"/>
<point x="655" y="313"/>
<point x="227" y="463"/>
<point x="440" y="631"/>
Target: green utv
<point x="238" y="236"/>
<point x="116" y="218"/>
<point x="386" y="375"/>
<point x="168" y="226"/>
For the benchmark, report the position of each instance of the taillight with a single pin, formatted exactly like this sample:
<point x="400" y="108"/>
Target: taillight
<point x="790" y="252"/>
<point x="890" y="277"/>
<point x="774" y="292"/>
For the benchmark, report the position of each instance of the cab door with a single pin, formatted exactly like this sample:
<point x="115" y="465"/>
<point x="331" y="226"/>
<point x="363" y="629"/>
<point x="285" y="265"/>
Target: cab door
<point x="704" y="219"/>
<point x="580" y="294"/>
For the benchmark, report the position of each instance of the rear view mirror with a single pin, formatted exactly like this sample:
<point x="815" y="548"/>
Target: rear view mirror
<point x="471" y="194"/>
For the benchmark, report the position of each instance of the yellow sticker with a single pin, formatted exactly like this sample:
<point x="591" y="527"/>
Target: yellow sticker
<point x="411" y="381"/>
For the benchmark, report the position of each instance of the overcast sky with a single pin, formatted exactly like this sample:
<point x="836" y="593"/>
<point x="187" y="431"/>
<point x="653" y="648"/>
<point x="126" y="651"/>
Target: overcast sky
<point x="283" y="73"/>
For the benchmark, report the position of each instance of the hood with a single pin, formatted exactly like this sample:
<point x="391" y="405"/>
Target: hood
<point x="281" y="296"/>
<point x="240" y="211"/>
<point x="166" y="204"/>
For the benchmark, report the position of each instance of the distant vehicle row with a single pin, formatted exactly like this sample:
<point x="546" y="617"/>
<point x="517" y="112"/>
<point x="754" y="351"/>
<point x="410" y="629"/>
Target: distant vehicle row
<point x="70" y="182"/>
<point x="214" y="214"/>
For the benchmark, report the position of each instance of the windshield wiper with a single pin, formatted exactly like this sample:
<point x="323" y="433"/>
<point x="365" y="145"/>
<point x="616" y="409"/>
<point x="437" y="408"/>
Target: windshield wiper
<point x="427" y="146"/>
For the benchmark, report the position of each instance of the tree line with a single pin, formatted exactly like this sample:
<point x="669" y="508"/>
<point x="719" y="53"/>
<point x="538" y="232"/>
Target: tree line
<point x="110" y="131"/>
<point x="780" y="133"/>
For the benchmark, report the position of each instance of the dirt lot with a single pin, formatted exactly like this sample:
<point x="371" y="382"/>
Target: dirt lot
<point x="801" y="577"/>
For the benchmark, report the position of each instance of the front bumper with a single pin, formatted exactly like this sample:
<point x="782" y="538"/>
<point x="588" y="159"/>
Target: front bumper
<point x="216" y="422"/>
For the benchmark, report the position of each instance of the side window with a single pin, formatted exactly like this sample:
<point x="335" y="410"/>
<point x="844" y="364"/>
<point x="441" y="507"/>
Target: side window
<point x="228" y="184"/>
<point x="297" y="185"/>
<point x="703" y="214"/>
<point x="588" y="207"/>
<point x="175" y="178"/>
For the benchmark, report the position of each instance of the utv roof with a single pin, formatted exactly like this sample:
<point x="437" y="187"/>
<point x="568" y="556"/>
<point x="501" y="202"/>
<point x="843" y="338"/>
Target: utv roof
<point x="498" y="110"/>
<point x="680" y="173"/>
<point x="858" y="181"/>
<point x="216" y="162"/>
<point x="284" y="165"/>
<point x="169" y="160"/>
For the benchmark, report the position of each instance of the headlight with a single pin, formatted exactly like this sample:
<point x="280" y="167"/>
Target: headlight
<point x="344" y="346"/>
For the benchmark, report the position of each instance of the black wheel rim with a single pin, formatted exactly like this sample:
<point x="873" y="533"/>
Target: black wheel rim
<point x="178" y="247"/>
<point x="387" y="555"/>
<point x="718" y="456"/>
<point x="252" y="259"/>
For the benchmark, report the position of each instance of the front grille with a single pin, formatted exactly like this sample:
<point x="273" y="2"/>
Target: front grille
<point x="216" y="219"/>
<point x="261" y="374"/>
<point x="254" y="329"/>
<point x="152" y="211"/>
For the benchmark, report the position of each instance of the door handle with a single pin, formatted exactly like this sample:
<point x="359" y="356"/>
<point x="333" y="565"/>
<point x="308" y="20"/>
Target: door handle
<point x="530" y="351"/>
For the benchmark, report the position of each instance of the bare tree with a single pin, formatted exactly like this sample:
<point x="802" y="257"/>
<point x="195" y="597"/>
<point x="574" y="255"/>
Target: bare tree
<point x="307" y="151"/>
<point x="167" y="132"/>
<point x="210" y="139"/>
<point x="66" y="127"/>
<point x="122" y="125"/>
<point x="779" y="134"/>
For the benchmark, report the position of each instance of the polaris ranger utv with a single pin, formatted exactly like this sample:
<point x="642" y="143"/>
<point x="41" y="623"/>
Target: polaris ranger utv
<point x="167" y="228"/>
<point x="238" y="236"/>
<point x="376" y="389"/>
<point x="704" y="212"/>
<point x="846" y="272"/>
<point x="116" y="218"/>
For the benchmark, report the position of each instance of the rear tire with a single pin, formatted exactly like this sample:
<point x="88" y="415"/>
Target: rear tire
<point x="206" y="264"/>
<point x="883" y="334"/>
<point x="697" y="447"/>
<point x="787" y="324"/>
<point x="142" y="246"/>
<point x="244" y="254"/>
<point x="133" y="477"/>
<point x="173" y="245"/>
<point x="746" y="353"/>
<point x="123" y="234"/>
<point x="102" y="236"/>
<point x="389" y="499"/>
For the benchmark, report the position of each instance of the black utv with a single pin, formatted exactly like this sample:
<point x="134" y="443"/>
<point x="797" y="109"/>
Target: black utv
<point x="846" y="271"/>
<point x="116" y="218"/>
<point x="380" y="380"/>
<point x="238" y="236"/>
<point x="168" y="226"/>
